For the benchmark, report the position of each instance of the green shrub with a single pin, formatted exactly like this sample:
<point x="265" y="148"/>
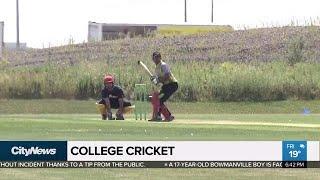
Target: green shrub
<point x="295" y="51"/>
<point x="198" y="81"/>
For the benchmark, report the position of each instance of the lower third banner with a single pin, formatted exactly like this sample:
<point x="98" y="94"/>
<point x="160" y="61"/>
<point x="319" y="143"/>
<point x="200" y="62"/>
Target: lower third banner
<point x="159" y="154"/>
<point x="160" y="164"/>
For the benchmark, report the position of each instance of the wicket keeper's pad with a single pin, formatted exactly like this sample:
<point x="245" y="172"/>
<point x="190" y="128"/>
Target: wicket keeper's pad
<point x="159" y="151"/>
<point x="128" y="109"/>
<point x="102" y="108"/>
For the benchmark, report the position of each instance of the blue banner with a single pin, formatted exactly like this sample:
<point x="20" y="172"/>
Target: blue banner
<point x="294" y="150"/>
<point x="33" y="150"/>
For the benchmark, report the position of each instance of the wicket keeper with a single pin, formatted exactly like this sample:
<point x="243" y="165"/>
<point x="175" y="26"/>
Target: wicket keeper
<point x="169" y="83"/>
<point x="112" y="98"/>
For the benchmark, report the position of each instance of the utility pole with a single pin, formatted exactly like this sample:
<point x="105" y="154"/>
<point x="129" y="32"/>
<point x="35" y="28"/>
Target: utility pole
<point x="185" y="10"/>
<point x="18" y="41"/>
<point x="1" y="38"/>
<point x="211" y="11"/>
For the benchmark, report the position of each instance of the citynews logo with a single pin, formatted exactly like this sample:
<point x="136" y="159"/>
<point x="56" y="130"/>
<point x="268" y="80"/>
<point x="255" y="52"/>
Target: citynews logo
<point x="32" y="151"/>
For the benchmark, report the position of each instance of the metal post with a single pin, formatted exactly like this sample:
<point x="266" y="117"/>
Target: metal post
<point x="1" y="38"/>
<point x="18" y="41"/>
<point x="185" y="10"/>
<point x="211" y="11"/>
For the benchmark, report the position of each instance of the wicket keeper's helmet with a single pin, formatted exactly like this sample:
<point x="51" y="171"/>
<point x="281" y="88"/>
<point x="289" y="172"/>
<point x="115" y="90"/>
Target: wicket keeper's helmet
<point x="156" y="55"/>
<point x="108" y="79"/>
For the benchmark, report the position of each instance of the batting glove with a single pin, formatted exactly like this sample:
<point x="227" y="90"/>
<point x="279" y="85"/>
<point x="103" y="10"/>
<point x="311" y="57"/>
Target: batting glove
<point x="154" y="80"/>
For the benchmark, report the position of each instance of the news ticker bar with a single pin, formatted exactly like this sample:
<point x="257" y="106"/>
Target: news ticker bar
<point x="158" y="151"/>
<point x="160" y="164"/>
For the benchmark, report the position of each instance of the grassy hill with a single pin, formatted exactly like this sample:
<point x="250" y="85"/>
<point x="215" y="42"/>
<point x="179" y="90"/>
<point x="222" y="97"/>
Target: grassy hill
<point x="246" y="65"/>
<point x="265" y="44"/>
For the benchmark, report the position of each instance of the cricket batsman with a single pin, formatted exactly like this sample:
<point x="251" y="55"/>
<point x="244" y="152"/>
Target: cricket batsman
<point x="169" y="83"/>
<point x="112" y="98"/>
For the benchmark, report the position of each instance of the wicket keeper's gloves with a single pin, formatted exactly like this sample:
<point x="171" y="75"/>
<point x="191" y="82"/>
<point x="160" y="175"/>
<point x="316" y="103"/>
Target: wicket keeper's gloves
<point x="154" y="80"/>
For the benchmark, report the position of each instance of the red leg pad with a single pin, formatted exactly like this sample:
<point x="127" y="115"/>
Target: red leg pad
<point x="155" y="101"/>
<point x="165" y="112"/>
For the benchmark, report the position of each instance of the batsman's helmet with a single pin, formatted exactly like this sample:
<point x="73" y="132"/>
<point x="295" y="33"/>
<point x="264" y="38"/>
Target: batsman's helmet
<point x="108" y="79"/>
<point x="156" y="55"/>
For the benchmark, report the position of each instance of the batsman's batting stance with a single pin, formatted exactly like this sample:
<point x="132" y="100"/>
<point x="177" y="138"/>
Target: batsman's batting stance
<point x="169" y="83"/>
<point x="112" y="98"/>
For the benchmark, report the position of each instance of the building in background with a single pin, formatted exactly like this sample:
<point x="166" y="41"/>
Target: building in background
<point x="13" y="46"/>
<point x="109" y="31"/>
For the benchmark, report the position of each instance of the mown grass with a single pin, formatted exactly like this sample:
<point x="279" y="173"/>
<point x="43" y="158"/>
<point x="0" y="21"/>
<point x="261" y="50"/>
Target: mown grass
<point x="90" y="127"/>
<point x="77" y="126"/>
<point x="60" y="106"/>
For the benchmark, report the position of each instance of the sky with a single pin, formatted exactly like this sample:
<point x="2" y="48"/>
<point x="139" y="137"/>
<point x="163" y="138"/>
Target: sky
<point x="45" y="23"/>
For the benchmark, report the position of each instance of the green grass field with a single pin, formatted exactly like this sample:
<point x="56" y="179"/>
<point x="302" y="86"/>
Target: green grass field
<point x="48" y="120"/>
<point x="186" y="127"/>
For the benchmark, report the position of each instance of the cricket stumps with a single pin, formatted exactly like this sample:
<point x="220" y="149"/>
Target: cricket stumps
<point x="140" y="97"/>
